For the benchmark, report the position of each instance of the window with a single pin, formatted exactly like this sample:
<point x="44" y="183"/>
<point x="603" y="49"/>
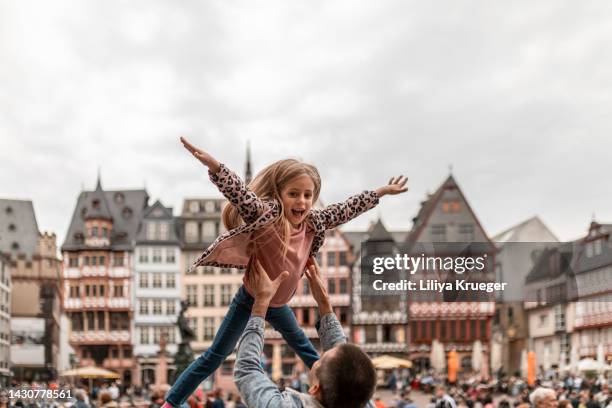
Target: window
<point x="343" y="285"/>
<point x="209" y="295"/>
<point x="209" y="207"/>
<point x="331" y="259"/>
<point x="94" y="260"/>
<point x="157" y="306"/>
<point x="194" y="207"/>
<point x="342" y="260"/>
<point x="143" y="255"/>
<point x="87" y="291"/>
<point x="90" y="320"/>
<point x="191" y="231"/>
<point x="543" y="319"/>
<point x="144" y="307"/>
<point x="226" y="294"/>
<point x="192" y="295"/>
<point x="170" y="281"/>
<point x="86" y="261"/>
<point x="193" y="323"/>
<point x="104" y="232"/>
<point x="305" y="287"/>
<point x="73" y="262"/>
<point x="118" y="291"/>
<point x="157" y="331"/>
<point x="144" y="335"/>
<point x="157" y="255"/>
<point x="170" y="256"/>
<point x="163" y="231"/>
<point x="226" y="271"/>
<point x="157" y="280"/>
<point x="151" y="231"/>
<point x="102" y="261"/>
<point x="209" y="270"/>
<point x="306" y="315"/>
<point x="438" y="233"/>
<point x="94" y="232"/>
<point x="208" y="230"/>
<point x="170" y="307"/>
<point x="209" y="328"/>
<point x="77" y="321"/>
<point x="466" y="232"/>
<point x="331" y="286"/>
<point x="118" y="260"/>
<point x="143" y="280"/>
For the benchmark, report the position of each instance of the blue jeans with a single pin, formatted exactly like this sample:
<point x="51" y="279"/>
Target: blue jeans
<point x="281" y="318"/>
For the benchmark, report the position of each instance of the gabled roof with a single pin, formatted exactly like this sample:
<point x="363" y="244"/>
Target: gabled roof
<point x="429" y="205"/>
<point x="125" y="207"/>
<point x="597" y="232"/>
<point x="378" y="232"/>
<point x="18" y="227"/>
<point x="552" y="262"/>
<point x="158" y="211"/>
<point x="530" y="230"/>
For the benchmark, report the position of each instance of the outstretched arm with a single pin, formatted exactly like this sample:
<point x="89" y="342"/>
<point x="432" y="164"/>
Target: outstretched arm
<point x="232" y="187"/>
<point x="340" y="213"/>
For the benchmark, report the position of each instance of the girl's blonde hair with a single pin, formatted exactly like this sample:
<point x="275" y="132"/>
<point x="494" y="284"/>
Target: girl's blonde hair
<point x="268" y="184"/>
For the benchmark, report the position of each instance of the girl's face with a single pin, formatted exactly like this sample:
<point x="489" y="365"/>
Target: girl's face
<point x="297" y="199"/>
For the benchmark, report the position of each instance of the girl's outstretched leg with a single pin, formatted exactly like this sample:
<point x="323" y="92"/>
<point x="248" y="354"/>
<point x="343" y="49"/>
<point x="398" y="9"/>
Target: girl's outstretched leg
<point x="224" y="343"/>
<point x="283" y="320"/>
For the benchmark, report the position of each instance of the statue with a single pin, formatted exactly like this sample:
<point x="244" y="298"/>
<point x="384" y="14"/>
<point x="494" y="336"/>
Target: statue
<point x="184" y="354"/>
<point x="187" y="334"/>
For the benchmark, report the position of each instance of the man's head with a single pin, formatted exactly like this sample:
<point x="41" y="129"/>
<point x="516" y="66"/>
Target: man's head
<point x="343" y="377"/>
<point x="543" y="398"/>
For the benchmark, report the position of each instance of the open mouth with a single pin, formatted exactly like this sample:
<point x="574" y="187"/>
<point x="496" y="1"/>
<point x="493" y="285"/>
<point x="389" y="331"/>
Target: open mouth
<point x="298" y="213"/>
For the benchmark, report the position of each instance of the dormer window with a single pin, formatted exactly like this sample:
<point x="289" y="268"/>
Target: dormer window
<point x="119" y="198"/>
<point x="96" y="204"/>
<point x="15" y="246"/>
<point x="83" y="212"/>
<point x="9" y="210"/>
<point x="12" y="227"/>
<point x="194" y="207"/>
<point x="127" y="213"/>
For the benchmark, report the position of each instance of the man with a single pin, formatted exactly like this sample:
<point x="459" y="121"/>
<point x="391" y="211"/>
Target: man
<point x="543" y="397"/>
<point x="443" y="400"/>
<point x="343" y="377"/>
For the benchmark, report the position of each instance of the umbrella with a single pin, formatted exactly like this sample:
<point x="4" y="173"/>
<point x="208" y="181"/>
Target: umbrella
<point x="496" y="351"/>
<point x="388" y="362"/>
<point x="546" y="360"/>
<point x="601" y="358"/>
<point x="588" y="364"/>
<point x="437" y="356"/>
<point x="91" y="372"/>
<point x="477" y="356"/>
<point x="524" y="364"/>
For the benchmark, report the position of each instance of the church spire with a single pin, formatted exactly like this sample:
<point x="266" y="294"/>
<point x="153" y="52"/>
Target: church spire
<point x="248" y="175"/>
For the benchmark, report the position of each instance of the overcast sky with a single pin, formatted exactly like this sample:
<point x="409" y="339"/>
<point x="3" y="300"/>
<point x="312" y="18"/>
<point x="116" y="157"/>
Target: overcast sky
<point x="516" y="96"/>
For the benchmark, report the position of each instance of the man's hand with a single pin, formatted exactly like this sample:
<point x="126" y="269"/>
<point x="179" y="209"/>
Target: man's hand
<point x="264" y="289"/>
<point x="317" y="287"/>
<point x="205" y="158"/>
<point x="395" y="186"/>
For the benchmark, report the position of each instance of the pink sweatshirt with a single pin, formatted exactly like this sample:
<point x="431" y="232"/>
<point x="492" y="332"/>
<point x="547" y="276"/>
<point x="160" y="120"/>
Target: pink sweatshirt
<point x="269" y="252"/>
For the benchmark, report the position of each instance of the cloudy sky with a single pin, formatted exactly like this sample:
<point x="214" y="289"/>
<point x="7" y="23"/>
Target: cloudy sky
<point x="514" y="95"/>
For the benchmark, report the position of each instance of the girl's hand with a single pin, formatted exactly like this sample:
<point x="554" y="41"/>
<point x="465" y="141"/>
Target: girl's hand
<point x="202" y="156"/>
<point x="395" y="186"/>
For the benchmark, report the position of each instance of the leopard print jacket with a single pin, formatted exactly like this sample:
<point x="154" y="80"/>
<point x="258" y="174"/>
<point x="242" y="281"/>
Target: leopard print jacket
<point x="258" y="213"/>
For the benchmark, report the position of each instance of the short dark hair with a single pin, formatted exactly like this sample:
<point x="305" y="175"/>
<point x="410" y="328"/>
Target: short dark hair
<point x="347" y="379"/>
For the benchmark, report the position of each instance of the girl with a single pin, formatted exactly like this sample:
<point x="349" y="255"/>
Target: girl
<point x="271" y="221"/>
